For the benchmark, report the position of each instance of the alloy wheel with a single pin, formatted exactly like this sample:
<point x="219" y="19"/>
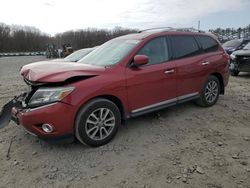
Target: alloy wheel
<point x="211" y="91"/>
<point x="100" y="123"/>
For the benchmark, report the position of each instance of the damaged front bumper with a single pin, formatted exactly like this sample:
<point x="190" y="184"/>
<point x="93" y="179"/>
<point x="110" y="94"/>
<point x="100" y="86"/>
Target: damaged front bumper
<point x="32" y="119"/>
<point x="5" y="114"/>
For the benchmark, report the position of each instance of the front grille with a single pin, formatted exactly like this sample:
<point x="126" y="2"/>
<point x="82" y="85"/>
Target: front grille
<point x="243" y="63"/>
<point x="243" y="59"/>
<point x="33" y="88"/>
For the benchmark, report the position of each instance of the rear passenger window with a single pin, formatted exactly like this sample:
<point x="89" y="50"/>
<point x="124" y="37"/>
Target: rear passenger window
<point x="184" y="46"/>
<point x="156" y="50"/>
<point x="208" y="44"/>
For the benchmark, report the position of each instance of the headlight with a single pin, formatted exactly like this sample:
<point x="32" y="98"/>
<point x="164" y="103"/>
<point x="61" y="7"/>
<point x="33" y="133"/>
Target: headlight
<point x="232" y="56"/>
<point x="49" y="95"/>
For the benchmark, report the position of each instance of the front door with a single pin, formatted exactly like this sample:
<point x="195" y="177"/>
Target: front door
<point x="153" y="85"/>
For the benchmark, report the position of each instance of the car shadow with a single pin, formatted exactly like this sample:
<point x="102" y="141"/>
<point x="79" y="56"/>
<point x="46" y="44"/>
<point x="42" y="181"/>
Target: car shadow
<point x="244" y="75"/>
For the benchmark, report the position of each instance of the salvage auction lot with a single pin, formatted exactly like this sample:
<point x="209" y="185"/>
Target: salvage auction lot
<point x="182" y="146"/>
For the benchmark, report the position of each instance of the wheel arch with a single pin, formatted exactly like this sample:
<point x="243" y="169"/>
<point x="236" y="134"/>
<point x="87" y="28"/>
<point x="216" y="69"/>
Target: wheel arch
<point x="117" y="101"/>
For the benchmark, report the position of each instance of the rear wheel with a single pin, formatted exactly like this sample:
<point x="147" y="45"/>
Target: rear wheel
<point x="97" y="122"/>
<point x="210" y="92"/>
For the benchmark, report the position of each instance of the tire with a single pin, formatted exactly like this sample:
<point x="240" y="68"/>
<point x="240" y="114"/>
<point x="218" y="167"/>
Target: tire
<point x="209" y="98"/>
<point x="97" y="122"/>
<point x="234" y="72"/>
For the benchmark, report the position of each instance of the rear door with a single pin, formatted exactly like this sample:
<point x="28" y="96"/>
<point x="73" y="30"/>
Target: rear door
<point x="214" y="55"/>
<point x="191" y="65"/>
<point x="153" y="85"/>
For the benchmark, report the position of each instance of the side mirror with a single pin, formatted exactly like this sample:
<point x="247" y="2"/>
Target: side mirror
<point x="140" y="60"/>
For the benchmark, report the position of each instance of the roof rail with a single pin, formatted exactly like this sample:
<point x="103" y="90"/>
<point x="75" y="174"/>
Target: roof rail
<point x="156" y="28"/>
<point x="163" y="29"/>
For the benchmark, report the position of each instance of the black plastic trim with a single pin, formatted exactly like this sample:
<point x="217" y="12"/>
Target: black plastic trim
<point x="135" y="114"/>
<point x="65" y="139"/>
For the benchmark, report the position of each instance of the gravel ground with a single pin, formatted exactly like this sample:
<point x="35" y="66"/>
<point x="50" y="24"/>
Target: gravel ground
<point x="182" y="146"/>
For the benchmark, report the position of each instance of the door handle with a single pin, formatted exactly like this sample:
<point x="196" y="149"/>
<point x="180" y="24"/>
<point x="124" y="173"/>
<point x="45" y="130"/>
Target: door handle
<point x="169" y="71"/>
<point x="206" y="63"/>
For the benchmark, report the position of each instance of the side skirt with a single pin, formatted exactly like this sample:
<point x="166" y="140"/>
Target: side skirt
<point x="164" y="104"/>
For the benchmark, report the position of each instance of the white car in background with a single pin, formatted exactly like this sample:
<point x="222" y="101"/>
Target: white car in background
<point x="77" y="55"/>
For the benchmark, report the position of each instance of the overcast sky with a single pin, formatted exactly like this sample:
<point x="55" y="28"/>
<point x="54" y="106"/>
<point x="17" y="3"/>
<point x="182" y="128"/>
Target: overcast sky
<point x="53" y="16"/>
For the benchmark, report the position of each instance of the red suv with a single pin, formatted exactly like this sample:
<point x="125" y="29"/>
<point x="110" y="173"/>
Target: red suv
<point x="126" y="77"/>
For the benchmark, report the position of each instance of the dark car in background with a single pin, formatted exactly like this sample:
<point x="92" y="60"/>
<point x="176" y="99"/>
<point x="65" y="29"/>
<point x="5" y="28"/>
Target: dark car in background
<point x="235" y="44"/>
<point x="240" y="61"/>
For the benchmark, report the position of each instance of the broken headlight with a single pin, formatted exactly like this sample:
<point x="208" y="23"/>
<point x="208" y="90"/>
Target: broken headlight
<point x="49" y="95"/>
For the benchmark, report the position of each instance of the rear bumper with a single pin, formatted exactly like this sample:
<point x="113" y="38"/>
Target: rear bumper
<point x="59" y="115"/>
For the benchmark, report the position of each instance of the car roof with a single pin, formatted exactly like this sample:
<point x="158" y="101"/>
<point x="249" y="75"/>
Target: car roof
<point x="144" y="34"/>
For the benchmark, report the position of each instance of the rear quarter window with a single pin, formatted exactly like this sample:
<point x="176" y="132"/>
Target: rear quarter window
<point x="208" y="44"/>
<point x="184" y="46"/>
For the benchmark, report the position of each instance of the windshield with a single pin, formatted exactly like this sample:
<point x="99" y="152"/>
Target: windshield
<point x="232" y="43"/>
<point x="110" y="53"/>
<point x="247" y="47"/>
<point x="79" y="54"/>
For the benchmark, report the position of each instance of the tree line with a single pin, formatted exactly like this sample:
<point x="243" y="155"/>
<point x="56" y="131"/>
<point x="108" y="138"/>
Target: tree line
<point x="90" y="37"/>
<point x="29" y="39"/>
<point x="21" y="39"/>
<point x="231" y="33"/>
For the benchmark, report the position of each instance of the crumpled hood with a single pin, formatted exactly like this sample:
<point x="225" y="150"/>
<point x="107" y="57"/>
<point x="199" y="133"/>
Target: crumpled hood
<point x="242" y="53"/>
<point x="53" y="72"/>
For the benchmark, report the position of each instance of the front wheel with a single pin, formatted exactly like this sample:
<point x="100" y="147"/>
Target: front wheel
<point x="210" y="92"/>
<point x="97" y="122"/>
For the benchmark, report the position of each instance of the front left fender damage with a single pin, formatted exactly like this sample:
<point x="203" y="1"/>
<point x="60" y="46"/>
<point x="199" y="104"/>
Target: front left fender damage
<point x="21" y="100"/>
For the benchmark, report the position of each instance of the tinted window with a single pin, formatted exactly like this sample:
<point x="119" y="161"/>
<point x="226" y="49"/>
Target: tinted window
<point x="184" y="46"/>
<point x="156" y="50"/>
<point x="208" y="44"/>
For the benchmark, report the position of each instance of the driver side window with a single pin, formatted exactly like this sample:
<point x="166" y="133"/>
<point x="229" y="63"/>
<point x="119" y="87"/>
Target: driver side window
<point x="156" y="50"/>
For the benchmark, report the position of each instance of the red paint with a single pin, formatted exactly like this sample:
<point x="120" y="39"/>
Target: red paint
<point x="50" y="71"/>
<point x="135" y="87"/>
<point x="140" y="60"/>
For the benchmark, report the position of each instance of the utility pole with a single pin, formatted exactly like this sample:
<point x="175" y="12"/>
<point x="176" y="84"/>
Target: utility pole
<point x="199" y="25"/>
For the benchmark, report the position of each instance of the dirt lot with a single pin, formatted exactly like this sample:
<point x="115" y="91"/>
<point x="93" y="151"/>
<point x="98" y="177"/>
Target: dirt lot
<point x="182" y="146"/>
